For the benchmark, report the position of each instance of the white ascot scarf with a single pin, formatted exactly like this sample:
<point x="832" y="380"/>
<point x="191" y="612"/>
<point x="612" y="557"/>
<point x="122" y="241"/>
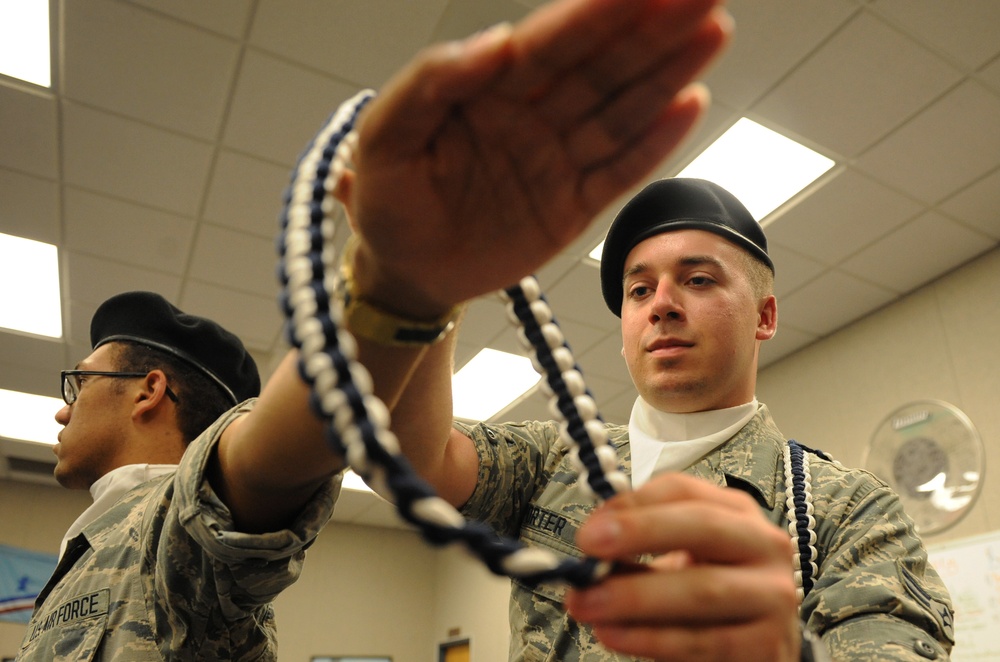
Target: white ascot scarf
<point x="110" y="487"/>
<point x="661" y="441"/>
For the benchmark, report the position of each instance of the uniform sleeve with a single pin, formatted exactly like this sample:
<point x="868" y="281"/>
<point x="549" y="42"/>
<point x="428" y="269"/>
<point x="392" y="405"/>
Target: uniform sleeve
<point x="515" y="460"/>
<point x="877" y="597"/>
<point x="244" y="570"/>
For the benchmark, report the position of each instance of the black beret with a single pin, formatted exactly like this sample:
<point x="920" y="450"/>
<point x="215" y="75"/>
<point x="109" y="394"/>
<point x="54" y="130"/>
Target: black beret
<point x="149" y="319"/>
<point x="676" y="204"/>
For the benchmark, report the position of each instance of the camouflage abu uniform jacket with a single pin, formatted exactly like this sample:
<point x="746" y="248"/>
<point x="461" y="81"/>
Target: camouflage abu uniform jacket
<point x="876" y="597"/>
<point x="163" y="576"/>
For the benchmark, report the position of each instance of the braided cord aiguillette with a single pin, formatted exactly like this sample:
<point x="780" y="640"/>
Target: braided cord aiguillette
<point x="357" y="422"/>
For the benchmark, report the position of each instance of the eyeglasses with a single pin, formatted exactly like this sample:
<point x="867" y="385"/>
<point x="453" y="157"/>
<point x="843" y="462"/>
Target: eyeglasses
<point x="71" y="382"/>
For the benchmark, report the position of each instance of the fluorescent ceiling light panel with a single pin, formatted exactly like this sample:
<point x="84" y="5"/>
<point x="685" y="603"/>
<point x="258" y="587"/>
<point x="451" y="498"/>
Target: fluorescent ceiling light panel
<point x="761" y="167"/>
<point x="596" y="253"/>
<point x="29" y="417"/>
<point x="489" y="382"/>
<point x="353" y="481"/>
<point x="29" y="301"/>
<point x="24" y="41"/>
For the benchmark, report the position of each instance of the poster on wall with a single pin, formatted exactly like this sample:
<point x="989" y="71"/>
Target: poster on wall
<point x="23" y="574"/>
<point x="970" y="569"/>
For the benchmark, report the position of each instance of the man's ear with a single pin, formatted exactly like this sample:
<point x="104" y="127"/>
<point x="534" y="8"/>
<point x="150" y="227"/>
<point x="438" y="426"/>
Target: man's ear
<point x="767" y="318"/>
<point x="152" y="392"/>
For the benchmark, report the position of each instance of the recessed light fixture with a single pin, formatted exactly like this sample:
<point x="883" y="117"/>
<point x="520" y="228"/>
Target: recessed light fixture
<point x="353" y="481"/>
<point x="24" y="41"/>
<point x="30" y="300"/>
<point x="761" y="167"/>
<point x="489" y="382"/>
<point x="29" y="417"/>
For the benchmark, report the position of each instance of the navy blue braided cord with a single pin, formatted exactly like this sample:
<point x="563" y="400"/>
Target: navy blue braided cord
<point x="356" y="422"/>
<point x="554" y="375"/>
<point x="801" y="515"/>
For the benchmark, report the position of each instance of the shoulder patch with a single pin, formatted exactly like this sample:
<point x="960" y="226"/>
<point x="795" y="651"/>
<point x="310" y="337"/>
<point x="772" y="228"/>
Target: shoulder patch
<point x="941" y="612"/>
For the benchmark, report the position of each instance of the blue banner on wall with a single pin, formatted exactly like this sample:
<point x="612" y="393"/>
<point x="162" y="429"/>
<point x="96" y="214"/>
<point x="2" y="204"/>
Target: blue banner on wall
<point x="22" y="576"/>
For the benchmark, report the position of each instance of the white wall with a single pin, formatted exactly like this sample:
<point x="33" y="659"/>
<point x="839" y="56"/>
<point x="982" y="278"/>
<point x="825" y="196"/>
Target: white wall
<point x="941" y="343"/>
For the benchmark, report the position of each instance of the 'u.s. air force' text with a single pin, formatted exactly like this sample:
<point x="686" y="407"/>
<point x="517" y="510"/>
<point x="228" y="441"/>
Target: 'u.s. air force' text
<point x="83" y="606"/>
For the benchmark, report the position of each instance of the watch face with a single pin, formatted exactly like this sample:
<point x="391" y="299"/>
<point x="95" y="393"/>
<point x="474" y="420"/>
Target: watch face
<point x="932" y="456"/>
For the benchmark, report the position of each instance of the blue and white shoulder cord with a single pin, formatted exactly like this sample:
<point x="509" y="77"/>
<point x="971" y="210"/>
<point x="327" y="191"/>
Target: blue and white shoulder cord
<point x="358" y="422"/>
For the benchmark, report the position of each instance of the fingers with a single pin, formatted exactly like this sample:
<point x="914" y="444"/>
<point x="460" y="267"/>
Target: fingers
<point x="608" y="41"/>
<point x="678" y="512"/>
<point x="720" y="588"/>
<point x="688" y="596"/>
<point x="747" y="642"/>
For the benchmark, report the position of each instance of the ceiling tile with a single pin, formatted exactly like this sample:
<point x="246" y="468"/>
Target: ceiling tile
<point x="577" y="296"/>
<point x="229" y="17"/>
<point x="618" y="410"/>
<point x="605" y="360"/>
<point x="786" y="341"/>
<point x="278" y="108"/>
<point x="32" y="376"/>
<point x="76" y="328"/>
<point x="94" y="280"/>
<point x="839" y="100"/>
<point x="28" y="132"/>
<point x="30" y="207"/>
<point x="246" y="193"/>
<point x="791" y="270"/>
<point x="122" y="58"/>
<point x="832" y="301"/>
<point x="771" y="37"/>
<point x="978" y="205"/>
<point x="969" y="36"/>
<point x="21" y="351"/>
<point x="990" y="75"/>
<point x="462" y="19"/>
<point x="950" y="144"/>
<point x="133" y="161"/>
<point x="362" y="41"/>
<point x="582" y="337"/>
<point x="256" y="320"/>
<point x="235" y="260"/>
<point x="114" y="229"/>
<point x="918" y="252"/>
<point x="847" y="213"/>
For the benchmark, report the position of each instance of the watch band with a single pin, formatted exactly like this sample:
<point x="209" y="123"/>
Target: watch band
<point x="366" y="320"/>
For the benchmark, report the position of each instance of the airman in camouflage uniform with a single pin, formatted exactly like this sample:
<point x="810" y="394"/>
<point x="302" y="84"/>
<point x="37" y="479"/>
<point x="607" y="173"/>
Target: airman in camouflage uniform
<point x="164" y="575"/>
<point x="876" y="596"/>
<point x="184" y="547"/>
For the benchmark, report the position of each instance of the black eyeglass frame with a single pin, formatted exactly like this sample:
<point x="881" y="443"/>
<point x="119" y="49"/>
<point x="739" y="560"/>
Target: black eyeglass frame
<point x="71" y="390"/>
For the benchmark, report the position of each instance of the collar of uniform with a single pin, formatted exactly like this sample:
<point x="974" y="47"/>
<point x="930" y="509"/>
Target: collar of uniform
<point x="749" y="459"/>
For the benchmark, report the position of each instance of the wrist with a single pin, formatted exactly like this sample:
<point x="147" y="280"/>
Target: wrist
<point x="396" y="320"/>
<point x="389" y="291"/>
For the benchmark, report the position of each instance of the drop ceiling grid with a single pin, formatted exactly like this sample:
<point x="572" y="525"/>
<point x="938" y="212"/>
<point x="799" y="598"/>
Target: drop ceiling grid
<point x="160" y="159"/>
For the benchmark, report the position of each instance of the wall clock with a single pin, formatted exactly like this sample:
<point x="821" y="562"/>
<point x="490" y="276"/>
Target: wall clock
<point x="930" y="453"/>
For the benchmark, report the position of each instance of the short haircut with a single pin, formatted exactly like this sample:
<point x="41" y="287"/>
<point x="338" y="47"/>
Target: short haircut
<point x="200" y="401"/>
<point x="759" y="274"/>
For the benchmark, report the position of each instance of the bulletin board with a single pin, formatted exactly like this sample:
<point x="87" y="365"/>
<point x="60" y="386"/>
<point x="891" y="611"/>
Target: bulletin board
<point x="970" y="569"/>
